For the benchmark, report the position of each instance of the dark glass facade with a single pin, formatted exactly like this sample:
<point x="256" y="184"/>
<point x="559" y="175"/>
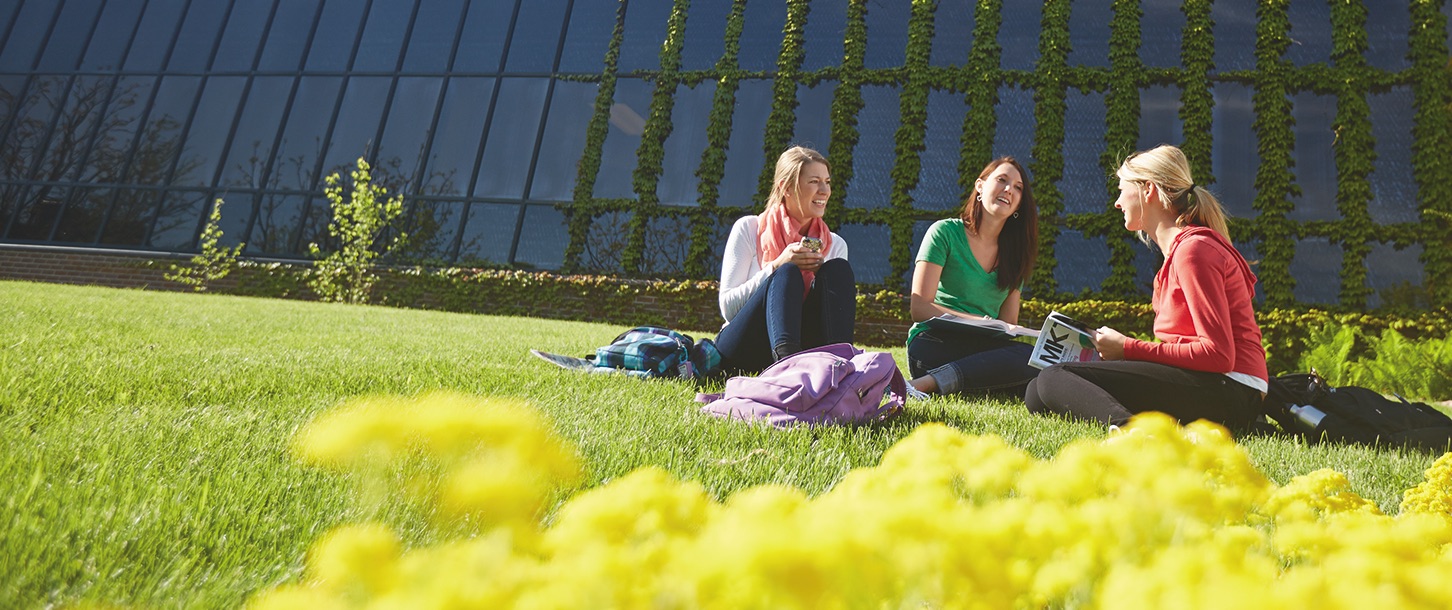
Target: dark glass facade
<point x="122" y="120"/>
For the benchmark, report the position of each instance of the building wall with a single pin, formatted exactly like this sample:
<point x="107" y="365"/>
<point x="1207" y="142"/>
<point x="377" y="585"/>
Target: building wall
<point x="583" y="135"/>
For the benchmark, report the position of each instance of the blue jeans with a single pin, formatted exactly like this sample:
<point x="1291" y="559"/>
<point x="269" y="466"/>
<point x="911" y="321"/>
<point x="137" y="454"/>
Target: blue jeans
<point x="967" y="362"/>
<point x="778" y="316"/>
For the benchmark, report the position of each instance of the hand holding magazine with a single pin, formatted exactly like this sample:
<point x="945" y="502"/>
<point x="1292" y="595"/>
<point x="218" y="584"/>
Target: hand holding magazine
<point x="990" y="327"/>
<point x="1063" y="339"/>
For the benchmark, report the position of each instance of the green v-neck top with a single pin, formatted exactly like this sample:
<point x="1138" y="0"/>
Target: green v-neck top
<point x="964" y="286"/>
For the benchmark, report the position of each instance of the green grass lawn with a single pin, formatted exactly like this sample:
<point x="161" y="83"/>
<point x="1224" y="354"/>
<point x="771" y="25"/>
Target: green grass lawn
<point x="146" y="434"/>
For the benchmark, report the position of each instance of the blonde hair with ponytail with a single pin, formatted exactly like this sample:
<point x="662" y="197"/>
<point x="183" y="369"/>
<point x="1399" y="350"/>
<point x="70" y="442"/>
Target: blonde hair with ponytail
<point x="1167" y="167"/>
<point x="789" y="171"/>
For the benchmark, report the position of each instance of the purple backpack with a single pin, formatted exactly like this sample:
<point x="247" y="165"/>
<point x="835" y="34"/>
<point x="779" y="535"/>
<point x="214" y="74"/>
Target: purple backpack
<point x="831" y="384"/>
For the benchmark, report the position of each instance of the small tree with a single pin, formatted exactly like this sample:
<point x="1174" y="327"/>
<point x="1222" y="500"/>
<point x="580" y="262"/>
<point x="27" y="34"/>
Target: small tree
<point x="212" y="263"/>
<point x="358" y="224"/>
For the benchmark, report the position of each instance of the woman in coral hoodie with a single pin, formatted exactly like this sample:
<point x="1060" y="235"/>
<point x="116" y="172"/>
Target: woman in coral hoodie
<point x="1209" y="362"/>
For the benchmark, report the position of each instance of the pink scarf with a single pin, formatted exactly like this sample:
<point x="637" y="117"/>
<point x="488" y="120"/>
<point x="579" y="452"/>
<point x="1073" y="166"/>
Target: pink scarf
<point x="775" y="229"/>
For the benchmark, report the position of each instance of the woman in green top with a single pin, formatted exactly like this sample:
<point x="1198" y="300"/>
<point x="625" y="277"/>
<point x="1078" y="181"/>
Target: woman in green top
<point x="973" y="266"/>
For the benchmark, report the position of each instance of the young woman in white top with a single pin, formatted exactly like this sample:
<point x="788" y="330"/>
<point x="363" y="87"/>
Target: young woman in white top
<point x="785" y="281"/>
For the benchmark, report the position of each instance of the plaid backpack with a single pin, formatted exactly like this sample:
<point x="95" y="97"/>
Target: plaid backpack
<point x="647" y="351"/>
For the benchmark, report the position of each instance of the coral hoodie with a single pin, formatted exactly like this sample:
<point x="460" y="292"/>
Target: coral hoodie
<point x="1203" y="314"/>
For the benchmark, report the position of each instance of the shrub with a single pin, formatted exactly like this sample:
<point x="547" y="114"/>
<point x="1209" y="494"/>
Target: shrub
<point x="358" y="225"/>
<point x="212" y="263"/>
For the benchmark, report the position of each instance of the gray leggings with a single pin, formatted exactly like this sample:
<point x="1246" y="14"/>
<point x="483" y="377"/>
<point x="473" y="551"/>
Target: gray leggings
<point x="1111" y="392"/>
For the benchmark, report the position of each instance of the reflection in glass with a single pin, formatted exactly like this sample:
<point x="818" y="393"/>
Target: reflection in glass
<point x="822" y="39"/>
<point x="685" y="145"/>
<point x="160" y="140"/>
<point x="744" y="154"/>
<point x="356" y="132"/>
<point x="1159" y="117"/>
<point x="1160" y="34"/>
<point x="69" y="37"/>
<point x="605" y="244"/>
<point x="667" y="246"/>
<point x="1018" y="35"/>
<point x="645" y="30"/>
<point x="705" y="35"/>
<point x="953" y="25"/>
<point x="435" y="30"/>
<point x="938" y="187"/>
<point x="242" y="36"/>
<point x="1089" y="32"/>
<point x="1234" y="34"/>
<point x="627" y="122"/>
<point x="256" y="131"/>
<point x="129" y="217"/>
<point x="536" y="36"/>
<point x="198" y="35"/>
<point x="1083" y="262"/>
<point x="887" y="35"/>
<point x="37" y="106"/>
<point x="1084" y="184"/>
<point x="504" y="168"/>
<point x="35" y="212"/>
<point x="542" y="243"/>
<point x="481" y="48"/>
<point x="208" y="132"/>
<point x="402" y="147"/>
<point x="1311" y="32"/>
<point x="155" y="34"/>
<point x="84" y="210"/>
<point x="872" y="160"/>
<point x="178" y="220"/>
<point x="1395" y="276"/>
<point x="1386" y="35"/>
<point x="1234" y="155"/>
<point x="277" y="224"/>
<point x="1314" y="157"/>
<point x="761" y="34"/>
<point x="337" y="30"/>
<point x="291" y="27"/>
<point x="383" y="36"/>
<point x="591" y="26"/>
<point x="431" y="227"/>
<point x="1393" y="188"/>
<point x="557" y="168"/>
<point x="72" y="132"/>
<point x="27" y="34"/>
<point x="1015" y="134"/>
<point x="869" y="247"/>
<point x="1316" y="268"/>
<point x="488" y="234"/>
<point x="814" y="116"/>
<point x="302" y="140"/>
<point x="460" y="129"/>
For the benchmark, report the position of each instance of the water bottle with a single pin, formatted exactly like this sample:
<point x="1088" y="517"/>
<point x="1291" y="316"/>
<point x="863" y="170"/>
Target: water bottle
<point x="1307" y="416"/>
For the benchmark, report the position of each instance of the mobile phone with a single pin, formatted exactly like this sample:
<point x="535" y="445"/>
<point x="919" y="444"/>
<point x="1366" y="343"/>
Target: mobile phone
<point x="812" y="243"/>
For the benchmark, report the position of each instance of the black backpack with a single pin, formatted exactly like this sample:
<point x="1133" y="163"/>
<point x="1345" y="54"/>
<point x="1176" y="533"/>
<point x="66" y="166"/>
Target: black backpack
<point x="1306" y="405"/>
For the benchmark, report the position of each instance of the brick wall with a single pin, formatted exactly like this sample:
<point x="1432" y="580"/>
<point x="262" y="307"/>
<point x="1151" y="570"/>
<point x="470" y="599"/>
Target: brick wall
<point x="689" y="306"/>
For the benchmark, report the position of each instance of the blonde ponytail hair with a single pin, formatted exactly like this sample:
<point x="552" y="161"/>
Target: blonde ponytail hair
<point x="789" y="172"/>
<point x="1167" y="167"/>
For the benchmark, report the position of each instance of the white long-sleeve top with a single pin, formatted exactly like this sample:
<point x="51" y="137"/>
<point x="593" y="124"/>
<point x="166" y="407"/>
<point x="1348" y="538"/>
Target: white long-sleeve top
<point x="741" y="272"/>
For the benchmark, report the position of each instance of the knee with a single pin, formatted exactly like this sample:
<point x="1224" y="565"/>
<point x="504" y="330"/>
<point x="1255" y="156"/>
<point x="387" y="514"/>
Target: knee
<point x="787" y="272"/>
<point x="836" y="270"/>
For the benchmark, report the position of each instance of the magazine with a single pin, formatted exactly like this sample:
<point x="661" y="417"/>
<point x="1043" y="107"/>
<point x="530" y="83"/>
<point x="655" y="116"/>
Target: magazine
<point x="1063" y="339"/>
<point x="991" y="327"/>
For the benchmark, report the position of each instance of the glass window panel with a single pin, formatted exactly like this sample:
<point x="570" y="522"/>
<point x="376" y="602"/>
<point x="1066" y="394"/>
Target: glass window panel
<point x="557" y="168"/>
<point x="721" y="229"/>
<point x="1234" y="149"/>
<point x="69" y="38"/>
<point x="1015" y="133"/>
<point x="317" y="213"/>
<point x="460" y="130"/>
<point x="683" y="149"/>
<point x="1316" y="267"/>
<point x="876" y="149"/>
<point x="256" y="132"/>
<point x="953" y="25"/>
<point x="1251" y="254"/>
<point x="74" y="128"/>
<point x="869" y="247"/>
<point x="1234" y="34"/>
<point x="591" y="26"/>
<point x="198" y="36"/>
<point x="1161" y="33"/>
<point x="108" y="42"/>
<point x="409" y="119"/>
<point x="161" y="137"/>
<point x="208" y="132"/>
<point x="482" y="45"/>
<point x="920" y="230"/>
<point x="1083" y="262"/>
<point x="1393" y="188"/>
<point x="1084" y="183"/>
<point x="887" y="34"/>
<point x="504" y="168"/>
<point x="383" y="37"/>
<point x="10" y="197"/>
<point x="744" y="156"/>
<point x="115" y="131"/>
<point x="85" y="210"/>
<point x="667" y="245"/>
<point x="536" y="36"/>
<point x="302" y="139"/>
<point x="179" y="220"/>
<point x="286" y="39"/>
<point x="705" y="35"/>
<point x="937" y="187"/>
<point x="279" y="220"/>
<point x="337" y="30"/>
<point x="431" y="227"/>
<point x="814" y="116"/>
<point x="645" y="30"/>
<point x="542" y="243"/>
<point x="31" y="124"/>
<point x="605" y="243"/>
<point x="1089" y="32"/>
<point x="1387" y="25"/>
<point x="27" y="34"/>
<point x="243" y="32"/>
<point x="130" y="218"/>
<point x="155" y="35"/>
<point x="1018" y="35"/>
<point x="1394" y="276"/>
<point x="1310" y="31"/>
<point x="627" y="121"/>
<point x="12" y="87"/>
<point x="37" y="211"/>
<point x="356" y="132"/>
<point x="1147" y="262"/>
<point x="236" y="214"/>
<point x="1314" y="157"/>
<point x="488" y="234"/>
<point x="434" y="31"/>
<point x="761" y="35"/>
<point x="1159" y="117"/>
<point x="821" y="41"/>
